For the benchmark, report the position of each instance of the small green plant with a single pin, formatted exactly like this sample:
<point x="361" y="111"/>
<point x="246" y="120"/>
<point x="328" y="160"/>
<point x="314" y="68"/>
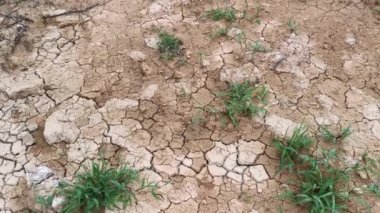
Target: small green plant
<point x="240" y="38"/>
<point x="328" y="136"/>
<point x="168" y="45"/>
<point x="100" y="187"/>
<point x="290" y="148"/>
<point x="374" y="188"/>
<point x="240" y="100"/>
<point x="323" y="188"/>
<point x="292" y="25"/>
<point x="219" y="33"/>
<point x="219" y="14"/>
<point x="44" y="201"/>
<point x="198" y="118"/>
<point x="258" y="47"/>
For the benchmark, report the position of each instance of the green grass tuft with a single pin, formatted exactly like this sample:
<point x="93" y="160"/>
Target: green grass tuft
<point x="243" y="99"/>
<point x="330" y="137"/>
<point x="169" y="46"/>
<point x="100" y="187"/>
<point x="258" y="47"/>
<point x="290" y="148"/>
<point x="292" y="25"/>
<point x="219" y="14"/>
<point x="219" y="33"/>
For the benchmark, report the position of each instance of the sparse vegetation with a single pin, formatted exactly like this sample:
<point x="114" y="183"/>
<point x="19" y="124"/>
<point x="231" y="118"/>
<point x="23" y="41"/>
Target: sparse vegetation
<point x="101" y="187"/>
<point x="292" y="25"/>
<point x="44" y="201"/>
<point x="258" y="47"/>
<point x="323" y="182"/>
<point x="328" y="136"/>
<point x="244" y="99"/>
<point x="168" y="45"/>
<point x="228" y="14"/>
<point x="323" y="187"/>
<point x="219" y="33"/>
<point x="290" y="148"/>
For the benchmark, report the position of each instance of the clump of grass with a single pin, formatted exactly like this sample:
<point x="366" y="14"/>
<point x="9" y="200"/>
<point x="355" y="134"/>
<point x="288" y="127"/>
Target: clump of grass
<point x="290" y="148"/>
<point x="243" y="99"/>
<point x="323" y="188"/>
<point x="44" y="201"/>
<point x="100" y="187"/>
<point x="328" y="136"/>
<point x="258" y="47"/>
<point x="292" y="25"/>
<point x="219" y="33"/>
<point x="219" y="14"/>
<point x="169" y="45"/>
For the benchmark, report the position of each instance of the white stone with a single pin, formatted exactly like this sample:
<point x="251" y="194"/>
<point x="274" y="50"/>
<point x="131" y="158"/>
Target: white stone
<point x="137" y="56"/>
<point x="235" y="176"/>
<point x="248" y="151"/>
<point x="218" y="154"/>
<point x="155" y="8"/>
<point x="185" y="171"/>
<point x="57" y="202"/>
<point x="350" y="39"/>
<point x="139" y="158"/>
<point x="151" y="42"/>
<point x="216" y="170"/>
<point x="40" y="174"/>
<point x="371" y="112"/>
<point x="148" y="92"/>
<point x="248" y="72"/>
<point x="281" y="126"/>
<point x="258" y="173"/>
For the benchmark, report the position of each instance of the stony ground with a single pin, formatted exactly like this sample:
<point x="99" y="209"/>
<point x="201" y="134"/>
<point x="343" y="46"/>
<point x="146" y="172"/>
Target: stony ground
<point x="83" y="79"/>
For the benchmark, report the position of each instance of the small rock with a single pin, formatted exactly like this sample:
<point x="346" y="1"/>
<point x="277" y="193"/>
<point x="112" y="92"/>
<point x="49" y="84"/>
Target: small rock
<point x="248" y="151"/>
<point x="151" y="42"/>
<point x="137" y="56"/>
<point x="258" y="173"/>
<point x="216" y="170"/>
<point x="155" y="8"/>
<point x="148" y="93"/>
<point x="40" y="174"/>
<point x="350" y="39"/>
<point x="57" y="202"/>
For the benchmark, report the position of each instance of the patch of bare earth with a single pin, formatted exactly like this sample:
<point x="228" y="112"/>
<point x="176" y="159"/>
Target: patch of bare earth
<point x="80" y="78"/>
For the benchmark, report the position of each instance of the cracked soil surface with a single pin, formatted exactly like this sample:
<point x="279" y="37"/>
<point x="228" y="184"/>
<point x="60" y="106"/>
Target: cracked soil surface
<point x="83" y="79"/>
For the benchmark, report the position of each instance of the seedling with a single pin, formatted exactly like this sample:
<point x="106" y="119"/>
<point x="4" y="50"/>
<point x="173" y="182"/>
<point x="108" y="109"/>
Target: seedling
<point x="323" y="188"/>
<point x="243" y="99"/>
<point x="290" y="148"/>
<point x="219" y="33"/>
<point x="219" y="14"/>
<point x="168" y="45"/>
<point x="101" y="187"/>
<point x="328" y="136"/>
<point x="44" y="201"/>
<point x="292" y="25"/>
<point x="240" y="38"/>
<point x="258" y="47"/>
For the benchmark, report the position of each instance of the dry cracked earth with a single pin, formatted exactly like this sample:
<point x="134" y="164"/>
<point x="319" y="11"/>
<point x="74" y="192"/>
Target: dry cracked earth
<point x="83" y="79"/>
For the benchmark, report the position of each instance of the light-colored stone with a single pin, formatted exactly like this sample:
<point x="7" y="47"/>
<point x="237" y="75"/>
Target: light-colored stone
<point x="216" y="170"/>
<point x="281" y="126"/>
<point x="249" y="151"/>
<point x="151" y="42"/>
<point x="248" y="72"/>
<point x="350" y="39"/>
<point x="40" y="174"/>
<point x="149" y="91"/>
<point x="137" y="56"/>
<point x="371" y="112"/>
<point x="258" y="173"/>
